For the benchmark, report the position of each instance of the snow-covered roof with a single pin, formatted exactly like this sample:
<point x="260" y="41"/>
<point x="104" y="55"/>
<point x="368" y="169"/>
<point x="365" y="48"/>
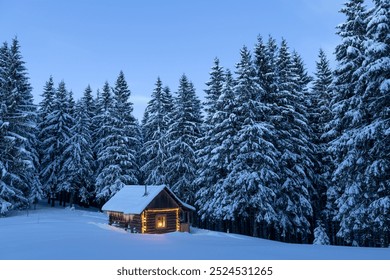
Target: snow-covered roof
<point x="132" y="199"/>
<point x="181" y="202"/>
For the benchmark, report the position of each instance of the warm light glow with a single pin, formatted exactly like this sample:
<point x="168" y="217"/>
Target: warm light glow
<point x="162" y="210"/>
<point x="143" y="220"/>
<point x="177" y="220"/>
<point x="161" y="221"/>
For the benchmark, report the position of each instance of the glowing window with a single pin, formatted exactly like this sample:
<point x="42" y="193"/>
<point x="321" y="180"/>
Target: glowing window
<point x="161" y="221"/>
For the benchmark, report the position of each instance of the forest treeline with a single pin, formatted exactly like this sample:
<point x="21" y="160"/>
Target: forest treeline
<point x="271" y="152"/>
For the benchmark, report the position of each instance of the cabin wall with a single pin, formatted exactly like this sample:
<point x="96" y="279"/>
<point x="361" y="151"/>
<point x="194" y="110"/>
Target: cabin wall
<point x="116" y="218"/>
<point x="130" y="222"/>
<point x="151" y="220"/>
<point x="135" y="224"/>
<point x="163" y="200"/>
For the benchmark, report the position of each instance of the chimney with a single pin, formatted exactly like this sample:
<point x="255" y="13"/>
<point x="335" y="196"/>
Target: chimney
<point x="146" y="190"/>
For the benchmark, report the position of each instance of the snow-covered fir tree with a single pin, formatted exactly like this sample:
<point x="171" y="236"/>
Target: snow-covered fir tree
<point x="8" y="194"/>
<point x="304" y="138"/>
<point x="252" y="175"/>
<point x="55" y="134"/>
<point x="213" y="91"/>
<point x="320" y="115"/>
<point x="77" y="163"/>
<point x="119" y="143"/>
<point x="367" y="220"/>
<point x="293" y="198"/>
<point x="154" y="128"/>
<point x="213" y="164"/>
<point x="71" y="104"/>
<point x="91" y="109"/>
<point x="19" y="178"/>
<point x="123" y="112"/>
<point x="374" y="135"/>
<point x="265" y="56"/>
<point x="207" y="175"/>
<point x="183" y="132"/>
<point x="347" y="193"/>
<point x="101" y="123"/>
<point x="320" y="236"/>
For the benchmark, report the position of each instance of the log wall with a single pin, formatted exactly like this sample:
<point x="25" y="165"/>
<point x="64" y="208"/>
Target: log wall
<point x="171" y="221"/>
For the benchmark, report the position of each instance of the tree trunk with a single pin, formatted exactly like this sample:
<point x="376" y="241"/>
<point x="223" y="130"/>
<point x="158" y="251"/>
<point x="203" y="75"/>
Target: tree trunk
<point x="52" y="199"/>
<point x="255" y="228"/>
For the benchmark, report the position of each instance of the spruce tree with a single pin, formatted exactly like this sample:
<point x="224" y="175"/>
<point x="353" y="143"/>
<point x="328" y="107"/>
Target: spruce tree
<point x="253" y="172"/>
<point x="90" y="107"/>
<point x="19" y="117"/>
<point x="57" y="132"/>
<point x="46" y="107"/>
<point x="208" y="174"/>
<point x="320" y="115"/>
<point x="77" y="161"/>
<point x="205" y="144"/>
<point x="293" y="198"/>
<point x="320" y="236"/>
<point x="118" y="145"/>
<point x="265" y="66"/>
<point x="183" y="132"/>
<point x="213" y="162"/>
<point x="155" y="126"/>
<point x="213" y="91"/>
<point x="123" y="112"/>
<point x="372" y="143"/>
<point x="8" y="193"/>
<point x="347" y="192"/>
<point x="101" y="125"/>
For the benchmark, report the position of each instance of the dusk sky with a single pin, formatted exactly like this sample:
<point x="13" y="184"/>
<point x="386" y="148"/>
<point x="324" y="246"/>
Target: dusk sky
<point x="88" y="42"/>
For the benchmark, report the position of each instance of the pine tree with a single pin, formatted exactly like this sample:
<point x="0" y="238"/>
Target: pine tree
<point x="253" y="172"/>
<point x="205" y="145"/>
<point x="46" y="107"/>
<point x="90" y="107"/>
<point x="304" y="141"/>
<point x="320" y="236"/>
<point x="208" y="173"/>
<point x="155" y="126"/>
<point x="19" y="158"/>
<point x="265" y="66"/>
<point x="213" y="162"/>
<point x="105" y="102"/>
<point x="347" y="192"/>
<point x="57" y="132"/>
<point x="77" y="161"/>
<point x="320" y="115"/>
<point x="118" y="147"/>
<point x="213" y="91"/>
<point x="123" y="112"/>
<point x="184" y="130"/>
<point x="71" y="104"/>
<point x="101" y="125"/>
<point x="89" y="102"/>
<point x="293" y="197"/>
<point x="372" y="142"/>
<point x="8" y="193"/>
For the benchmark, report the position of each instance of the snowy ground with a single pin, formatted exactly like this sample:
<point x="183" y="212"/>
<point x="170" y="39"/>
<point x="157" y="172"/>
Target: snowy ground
<point x="62" y="234"/>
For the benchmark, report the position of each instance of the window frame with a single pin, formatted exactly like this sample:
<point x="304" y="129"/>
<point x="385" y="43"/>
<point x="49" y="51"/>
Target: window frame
<point x="164" y="221"/>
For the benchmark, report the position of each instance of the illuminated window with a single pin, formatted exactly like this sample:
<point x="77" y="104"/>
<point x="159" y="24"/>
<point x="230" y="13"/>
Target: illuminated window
<point x="161" y="221"/>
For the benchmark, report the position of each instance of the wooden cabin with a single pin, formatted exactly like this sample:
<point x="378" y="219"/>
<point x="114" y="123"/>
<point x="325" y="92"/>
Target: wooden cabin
<point x="148" y="209"/>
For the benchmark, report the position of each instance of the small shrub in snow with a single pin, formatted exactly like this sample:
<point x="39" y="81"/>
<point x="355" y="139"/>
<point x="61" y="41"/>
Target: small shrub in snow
<point x="320" y="236"/>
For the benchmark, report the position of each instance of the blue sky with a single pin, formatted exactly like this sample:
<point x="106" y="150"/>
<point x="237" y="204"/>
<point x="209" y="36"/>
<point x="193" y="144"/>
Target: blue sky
<point x="88" y="42"/>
